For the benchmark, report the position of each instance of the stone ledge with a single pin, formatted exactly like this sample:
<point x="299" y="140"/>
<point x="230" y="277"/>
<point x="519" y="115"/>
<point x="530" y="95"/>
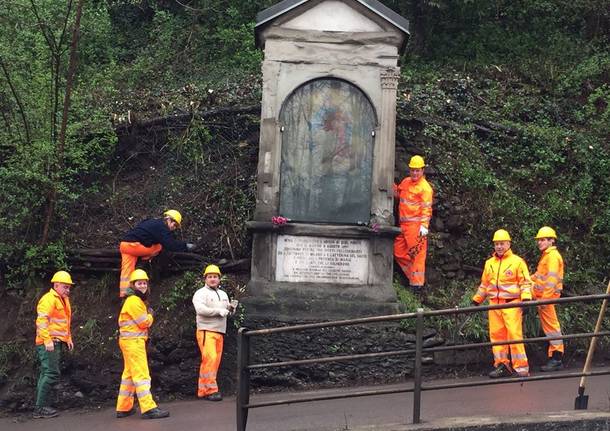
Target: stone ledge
<point x="324" y="230"/>
<point x="285" y="309"/>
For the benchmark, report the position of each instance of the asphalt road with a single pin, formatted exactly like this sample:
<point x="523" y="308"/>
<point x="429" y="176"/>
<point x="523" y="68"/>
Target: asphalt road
<point x="507" y="400"/>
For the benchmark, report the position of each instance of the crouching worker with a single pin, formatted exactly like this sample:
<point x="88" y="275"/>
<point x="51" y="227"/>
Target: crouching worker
<point x="53" y="336"/>
<point x="505" y="280"/>
<point x="146" y="241"/>
<point x="134" y="321"/>
<point x="212" y="307"/>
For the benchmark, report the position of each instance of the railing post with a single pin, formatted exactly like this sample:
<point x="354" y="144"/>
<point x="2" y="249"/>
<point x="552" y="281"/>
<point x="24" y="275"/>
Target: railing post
<point x="419" y="343"/>
<point x="243" y="379"/>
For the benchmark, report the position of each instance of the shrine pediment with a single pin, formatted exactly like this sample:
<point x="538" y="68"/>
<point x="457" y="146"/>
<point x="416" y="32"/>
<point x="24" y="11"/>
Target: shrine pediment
<point x="332" y="15"/>
<point x="339" y="16"/>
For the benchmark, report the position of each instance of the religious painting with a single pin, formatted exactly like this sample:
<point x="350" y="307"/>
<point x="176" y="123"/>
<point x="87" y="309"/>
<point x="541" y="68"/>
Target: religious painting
<point x="327" y="153"/>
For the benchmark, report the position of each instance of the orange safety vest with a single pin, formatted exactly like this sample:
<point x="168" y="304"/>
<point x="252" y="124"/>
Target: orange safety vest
<point x="134" y="319"/>
<point x="548" y="279"/>
<point x="505" y="278"/>
<point x="415" y="203"/>
<point x="53" y="320"/>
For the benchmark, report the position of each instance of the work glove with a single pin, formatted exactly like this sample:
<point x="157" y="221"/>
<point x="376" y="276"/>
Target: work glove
<point x="190" y="247"/>
<point x="223" y="312"/>
<point x="423" y="230"/>
<point x="474" y="303"/>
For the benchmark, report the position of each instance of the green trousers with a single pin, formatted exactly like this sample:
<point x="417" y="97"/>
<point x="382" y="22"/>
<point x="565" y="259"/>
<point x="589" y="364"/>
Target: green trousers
<point x="49" y="373"/>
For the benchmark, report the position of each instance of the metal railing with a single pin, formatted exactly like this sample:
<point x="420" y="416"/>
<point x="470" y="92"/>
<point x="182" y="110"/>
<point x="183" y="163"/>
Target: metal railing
<point x="244" y="367"/>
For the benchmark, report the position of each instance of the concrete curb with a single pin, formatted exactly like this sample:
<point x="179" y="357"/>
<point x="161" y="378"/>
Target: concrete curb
<point x="557" y="421"/>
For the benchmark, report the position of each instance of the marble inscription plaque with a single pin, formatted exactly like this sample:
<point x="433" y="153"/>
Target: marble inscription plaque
<point x="322" y="260"/>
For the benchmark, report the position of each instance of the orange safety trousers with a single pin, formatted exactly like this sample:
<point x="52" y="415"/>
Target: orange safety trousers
<point x="210" y="345"/>
<point x="504" y="325"/>
<point x="135" y="377"/>
<point x="410" y="252"/>
<point x="550" y="326"/>
<point x="130" y="251"/>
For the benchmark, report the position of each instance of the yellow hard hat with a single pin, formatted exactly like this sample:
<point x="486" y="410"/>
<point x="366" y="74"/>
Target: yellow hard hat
<point x="211" y="269"/>
<point x="174" y="215"/>
<point x="138" y="274"/>
<point x="501" y="235"/>
<point x="546" y="232"/>
<point x="417" y="162"/>
<point x="62" y="277"/>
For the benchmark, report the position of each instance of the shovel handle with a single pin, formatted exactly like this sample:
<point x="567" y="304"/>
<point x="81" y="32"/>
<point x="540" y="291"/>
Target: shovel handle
<point x="598" y="325"/>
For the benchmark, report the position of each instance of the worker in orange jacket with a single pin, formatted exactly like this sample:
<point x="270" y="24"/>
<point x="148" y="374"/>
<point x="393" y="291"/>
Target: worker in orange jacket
<point x="505" y="280"/>
<point x="146" y="241"/>
<point x="53" y="336"/>
<point x="134" y="321"/>
<point x="415" y="211"/>
<point x="548" y="284"/>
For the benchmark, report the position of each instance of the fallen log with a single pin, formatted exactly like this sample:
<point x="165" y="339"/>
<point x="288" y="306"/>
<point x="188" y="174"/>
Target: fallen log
<point x="239" y="265"/>
<point x="115" y="260"/>
<point x="101" y="252"/>
<point x="473" y="269"/>
<point x="93" y="269"/>
<point x="185" y="117"/>
<point x="109" y="260"/>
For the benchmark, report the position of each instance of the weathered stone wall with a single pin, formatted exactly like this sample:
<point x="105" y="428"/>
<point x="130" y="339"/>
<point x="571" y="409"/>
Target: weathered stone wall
<point x="336" y="341"/>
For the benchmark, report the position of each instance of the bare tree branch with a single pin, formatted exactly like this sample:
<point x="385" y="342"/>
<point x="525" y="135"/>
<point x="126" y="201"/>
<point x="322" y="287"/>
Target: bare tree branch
<point x="17" y="99"/>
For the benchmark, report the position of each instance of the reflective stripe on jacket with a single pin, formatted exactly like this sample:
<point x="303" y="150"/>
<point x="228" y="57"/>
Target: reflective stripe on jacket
<point x="504" y="278"/>
<point x="134" y="319"/>
<point x="415" y="201"/>
<point x="53" y="319"/>
<point x="548" y="279"/>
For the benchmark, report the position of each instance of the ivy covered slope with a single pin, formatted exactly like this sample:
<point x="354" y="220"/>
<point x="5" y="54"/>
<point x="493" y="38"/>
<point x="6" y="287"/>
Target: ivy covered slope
<point x="510" y="104"/>
<point x="508" y="101"/>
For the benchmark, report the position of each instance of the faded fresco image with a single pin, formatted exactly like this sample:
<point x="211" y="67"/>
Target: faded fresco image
<point x="327" y="153"/>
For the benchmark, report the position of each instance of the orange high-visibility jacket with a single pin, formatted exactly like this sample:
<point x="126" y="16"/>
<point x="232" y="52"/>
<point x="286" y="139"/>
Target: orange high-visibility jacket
<point x="134" y="319"/>
<point x="548" y="279"/>
<point x="415" y="203"/>
<point x="53" y="320"/>
<point x="504" y="278"/>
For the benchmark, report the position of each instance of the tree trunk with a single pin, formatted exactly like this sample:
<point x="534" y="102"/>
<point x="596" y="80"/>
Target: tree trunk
<point x="58" y="165"/>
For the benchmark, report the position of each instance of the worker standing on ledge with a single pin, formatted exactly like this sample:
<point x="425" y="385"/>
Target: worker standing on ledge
<point x="415" y="211"/>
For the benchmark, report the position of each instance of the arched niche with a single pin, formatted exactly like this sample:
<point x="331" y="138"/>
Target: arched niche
<point x="327" y="153"/>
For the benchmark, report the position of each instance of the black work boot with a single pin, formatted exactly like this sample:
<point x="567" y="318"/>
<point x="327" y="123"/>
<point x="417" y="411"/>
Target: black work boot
<point x="155" y="413"/>
<point x="554" y="363"/>
<point x="44" y="413"/>
<point x="216" y="396"/>
<point x="125" y="414"/>
<point x="501" y="371"/>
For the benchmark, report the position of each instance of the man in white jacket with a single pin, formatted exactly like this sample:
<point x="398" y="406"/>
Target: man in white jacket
<point x="212" y="307"/>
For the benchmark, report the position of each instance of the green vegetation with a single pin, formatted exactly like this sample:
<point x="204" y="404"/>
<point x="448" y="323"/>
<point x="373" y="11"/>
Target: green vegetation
<point x="508" y="101"/>
<point x="11" y="353"/>
<point x="181" y="291"/>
